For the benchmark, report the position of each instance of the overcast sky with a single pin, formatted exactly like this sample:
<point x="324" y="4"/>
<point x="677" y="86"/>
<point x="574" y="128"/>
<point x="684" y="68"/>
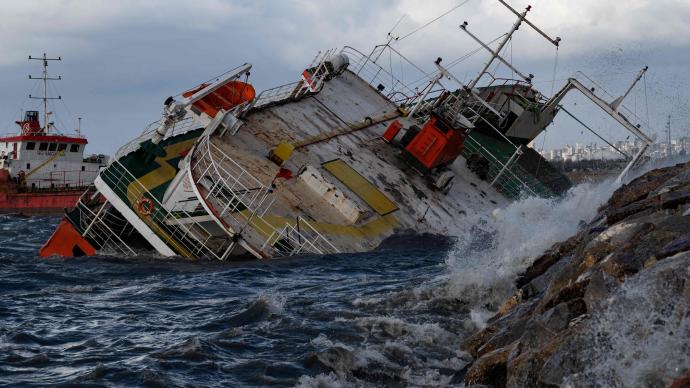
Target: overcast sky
<point x="121" y="59"/>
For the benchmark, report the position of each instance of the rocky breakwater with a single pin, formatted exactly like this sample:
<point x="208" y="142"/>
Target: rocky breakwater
<point x="607" y="307"/>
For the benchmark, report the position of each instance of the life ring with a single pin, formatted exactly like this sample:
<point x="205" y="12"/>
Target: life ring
<point x="145" y="206"/>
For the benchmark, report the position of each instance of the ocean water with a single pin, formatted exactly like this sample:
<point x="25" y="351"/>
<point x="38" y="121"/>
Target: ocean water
<point x="393" y="317"/>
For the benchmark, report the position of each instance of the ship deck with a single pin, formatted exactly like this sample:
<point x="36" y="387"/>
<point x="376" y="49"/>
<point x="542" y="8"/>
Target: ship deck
<point x="344" y="121"/>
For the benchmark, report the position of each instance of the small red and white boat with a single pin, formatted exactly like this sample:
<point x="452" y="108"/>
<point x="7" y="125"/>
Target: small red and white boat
<point x="44" y="171"/>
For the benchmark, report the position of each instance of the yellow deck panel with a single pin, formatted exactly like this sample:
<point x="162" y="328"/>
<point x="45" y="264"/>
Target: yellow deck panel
<point x="361" y="186"/>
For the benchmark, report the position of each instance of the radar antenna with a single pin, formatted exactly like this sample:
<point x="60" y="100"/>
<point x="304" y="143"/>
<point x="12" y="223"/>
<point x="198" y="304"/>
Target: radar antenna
<point x="45" y="79"/>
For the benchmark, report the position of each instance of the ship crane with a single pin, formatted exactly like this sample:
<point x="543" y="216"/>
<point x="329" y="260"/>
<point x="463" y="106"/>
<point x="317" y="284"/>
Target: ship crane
<point x="455" y="112"/>
<point x="612" y="109"/>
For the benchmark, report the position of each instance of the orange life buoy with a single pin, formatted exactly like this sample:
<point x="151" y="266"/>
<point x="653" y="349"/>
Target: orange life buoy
<point x="145" y="206"/>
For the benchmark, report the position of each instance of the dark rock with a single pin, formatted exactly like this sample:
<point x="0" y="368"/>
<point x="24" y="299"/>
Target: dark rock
<point x="540" y="265"/>
<point x="619" y="214"/>
<point x="640" y="187"/>
<point x="557" y="326"/>
<point x="539" y="284"/>
<point x="544" y="262"/>
<point x="680" y="244"/>
<point x="490" y="369"/>
<point x="563" y="362"/>
<point x="599" y="288"/>
<point x="673" y="199"/>
<point x="622" y="264"/>
<point x="566" y="294"/>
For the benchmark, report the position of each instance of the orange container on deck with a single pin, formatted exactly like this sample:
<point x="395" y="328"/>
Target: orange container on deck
<point x="437" y="144"/>
<point x="392" y="130"/>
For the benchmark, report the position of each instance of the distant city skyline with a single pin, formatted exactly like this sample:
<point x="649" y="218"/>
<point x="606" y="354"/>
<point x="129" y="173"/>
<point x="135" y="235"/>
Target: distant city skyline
<point x="603" y="151"/>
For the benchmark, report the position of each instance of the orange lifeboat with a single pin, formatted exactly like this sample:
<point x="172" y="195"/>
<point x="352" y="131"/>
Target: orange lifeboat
<point x="225" y="97"/>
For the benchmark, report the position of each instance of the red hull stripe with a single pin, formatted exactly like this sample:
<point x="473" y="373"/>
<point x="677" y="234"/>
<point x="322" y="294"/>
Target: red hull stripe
<point x="52" y="138"/>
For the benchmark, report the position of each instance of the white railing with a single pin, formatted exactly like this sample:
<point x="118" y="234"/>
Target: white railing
<point x="232" y="187"/>
<point x="301" y="237"/>
<point x="364" y="66"/>
<point x="92" y="225"/>
<point x="189" y="238"/>
<point x="273" y="95"/>
<point x="501" y="175"/>
<point x="240" y="200"/>
<point x="187" y="123"/>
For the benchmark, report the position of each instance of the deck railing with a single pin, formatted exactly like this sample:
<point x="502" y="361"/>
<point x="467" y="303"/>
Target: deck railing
<point x="298" y="238"/>
<point x="92" y="225"/>
<point x="241" y="201"/>
<point x="364" y="66"/>
<point x="187" y="123"/>
<point x="178" y="228"/>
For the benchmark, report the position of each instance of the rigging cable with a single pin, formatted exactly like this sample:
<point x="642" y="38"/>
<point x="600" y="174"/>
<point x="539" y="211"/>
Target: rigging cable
<point x="454" y="62"/>
<point x="21" y="106"/>
<point x="396" y="24"/>
<point x="646" y="103"/>
<point x="433" y="20"/>
<point x="555" y="68"/>
<point x="553" y="87"/>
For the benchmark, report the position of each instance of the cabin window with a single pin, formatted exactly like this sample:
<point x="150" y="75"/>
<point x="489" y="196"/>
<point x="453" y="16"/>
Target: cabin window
<point x="62" y="147"/>
<point x="43" y="146"/>
<point x="52" y="146"/>
<point x="28" y="166"/>
<point x="31" y="145"/>
<point x="74" y="148"/>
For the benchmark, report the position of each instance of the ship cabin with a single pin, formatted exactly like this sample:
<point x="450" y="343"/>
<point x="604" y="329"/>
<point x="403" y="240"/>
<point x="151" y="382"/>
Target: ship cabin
<point x="37" y="159"/>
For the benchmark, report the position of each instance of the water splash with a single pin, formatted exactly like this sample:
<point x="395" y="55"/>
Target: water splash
<point x="485" y="263"/>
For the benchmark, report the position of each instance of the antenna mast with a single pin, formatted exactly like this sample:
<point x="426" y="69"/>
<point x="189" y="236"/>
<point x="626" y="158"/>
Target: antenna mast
<point x="45" y="78"/>
<point x="496" y="54"/>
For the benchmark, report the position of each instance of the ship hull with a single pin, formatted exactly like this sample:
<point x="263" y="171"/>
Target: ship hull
<point x="38" y="203"/>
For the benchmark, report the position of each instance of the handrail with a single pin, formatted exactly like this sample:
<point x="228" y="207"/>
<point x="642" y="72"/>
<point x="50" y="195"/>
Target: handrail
<point x="189" y="239"/>
<point x="374" y="74"/>
<point x="92" y="227"/>
<point x="181" y="126"/>
<point x="232" y="190"/>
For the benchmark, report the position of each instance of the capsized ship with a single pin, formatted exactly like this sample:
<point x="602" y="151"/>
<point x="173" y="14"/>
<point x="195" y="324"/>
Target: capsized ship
<point x="43" y="171"/>
<point x="337" y="161"/>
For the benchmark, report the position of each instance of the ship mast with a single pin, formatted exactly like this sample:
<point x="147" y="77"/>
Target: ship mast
<point x="45" y="79"/>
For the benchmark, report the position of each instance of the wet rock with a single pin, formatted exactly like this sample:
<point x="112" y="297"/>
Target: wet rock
<point x="680" y="244"/>
<point x="599" y="288"/>
<point x="490" y="369"/>
<point x="642" y="186"/>
<point x="546" y="333"/>
<point x="571" y="292"/>
<point x="674" y="199"/>
<point x="619" y="214"/>
<point x="544" y="262"/>
<point x="539" y="284"/>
